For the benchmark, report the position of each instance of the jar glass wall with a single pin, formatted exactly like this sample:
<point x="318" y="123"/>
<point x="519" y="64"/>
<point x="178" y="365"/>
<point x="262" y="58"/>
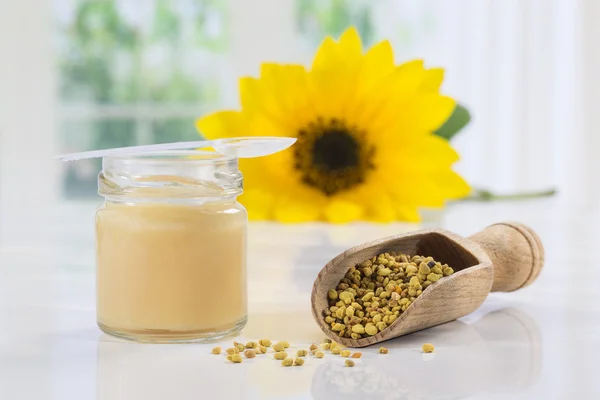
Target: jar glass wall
<point x="171" y="247"/>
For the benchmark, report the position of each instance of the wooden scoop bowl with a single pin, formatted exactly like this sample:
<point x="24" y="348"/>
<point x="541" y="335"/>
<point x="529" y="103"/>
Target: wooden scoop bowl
<point x="502" y="258"/>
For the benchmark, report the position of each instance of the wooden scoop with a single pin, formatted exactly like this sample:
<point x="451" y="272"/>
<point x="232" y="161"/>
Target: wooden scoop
<point x="502" y="258"/>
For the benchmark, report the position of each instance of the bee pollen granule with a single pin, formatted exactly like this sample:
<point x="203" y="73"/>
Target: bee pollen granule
<point x="287" y="362"/>
<point x="279" y="346"/>
<point x="428" y="348"/>
<point x="235" y="358"/>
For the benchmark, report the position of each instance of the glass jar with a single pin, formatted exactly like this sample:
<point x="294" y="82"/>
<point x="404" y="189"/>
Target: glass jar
<point x="171" y="247"/>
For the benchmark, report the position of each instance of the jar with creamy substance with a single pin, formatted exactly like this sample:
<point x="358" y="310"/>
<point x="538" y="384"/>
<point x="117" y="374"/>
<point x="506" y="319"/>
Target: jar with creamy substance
<point x="171" y="247"/>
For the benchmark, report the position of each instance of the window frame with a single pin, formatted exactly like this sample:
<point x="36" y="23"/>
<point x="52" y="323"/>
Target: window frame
<point x="251" y="42"/>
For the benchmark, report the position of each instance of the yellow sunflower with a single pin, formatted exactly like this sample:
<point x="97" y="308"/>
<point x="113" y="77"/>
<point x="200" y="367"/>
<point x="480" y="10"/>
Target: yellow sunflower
<point x="366" y="148"/>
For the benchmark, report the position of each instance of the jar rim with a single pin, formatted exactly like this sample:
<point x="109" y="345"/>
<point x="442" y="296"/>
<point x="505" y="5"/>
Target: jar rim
<point x="175" y="174"/>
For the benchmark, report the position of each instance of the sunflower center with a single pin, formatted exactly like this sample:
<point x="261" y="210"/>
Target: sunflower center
<point x="332" y="156"/>
<point x="335" y="149"/>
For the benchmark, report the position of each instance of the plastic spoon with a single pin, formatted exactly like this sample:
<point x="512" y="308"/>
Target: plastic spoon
<point x="241" y="147"/>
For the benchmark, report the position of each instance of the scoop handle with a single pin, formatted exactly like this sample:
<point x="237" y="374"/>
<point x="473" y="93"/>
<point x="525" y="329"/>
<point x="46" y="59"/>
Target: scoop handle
<point x="516" y="252"/>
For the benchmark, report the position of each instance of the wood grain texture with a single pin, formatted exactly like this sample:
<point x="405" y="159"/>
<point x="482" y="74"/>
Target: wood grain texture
<point x="515" y="248"/>
<point x="516" y="252"/>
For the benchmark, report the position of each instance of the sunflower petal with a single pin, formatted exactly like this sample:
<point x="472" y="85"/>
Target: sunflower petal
<point x="381" y="209"/>
<point x="427" y="153"/>
<point x="433" y="80"/>
<point x="281" y="94"/>
<point x="258" y="203"/>
<point x="350" y="43"/>
<point x="222" y="124"/>
<point x="426" y="112"/>
<point x="380" y="58"/>
<point x="249" y="89"/>
<point x="392" y="95"/>
<point x="332" y="56"/>
<point x="326" y="54"/>
<point x="341" y="211"/>
<point x="427" y="195"/>
<point x="406" y="212"/>
<point x="451" y="185"/>
<point x="254" y="172"/>
<point x="409" y="77"/>
<point x="377" y="66"/>
<point x="289" y="87"/>
<point x="434" y="188"/>
<point x="289" y="210"/>
<point x="404" y="82"/>
<point x="260" y="100"/>
<point x="335" y="71"/>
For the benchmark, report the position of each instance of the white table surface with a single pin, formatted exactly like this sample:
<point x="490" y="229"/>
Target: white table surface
<point x="540" y="342"/>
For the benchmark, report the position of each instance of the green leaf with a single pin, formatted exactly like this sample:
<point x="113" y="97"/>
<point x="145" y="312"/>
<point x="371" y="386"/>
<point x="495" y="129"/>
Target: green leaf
<point x="459" y="119"/>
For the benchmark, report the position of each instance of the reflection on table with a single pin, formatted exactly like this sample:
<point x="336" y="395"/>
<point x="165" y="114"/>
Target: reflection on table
<point x="501" y="352"/>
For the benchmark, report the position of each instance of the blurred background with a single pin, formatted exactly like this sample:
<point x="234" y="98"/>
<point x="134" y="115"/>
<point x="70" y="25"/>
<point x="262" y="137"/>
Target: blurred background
<point x="79" y="75"/>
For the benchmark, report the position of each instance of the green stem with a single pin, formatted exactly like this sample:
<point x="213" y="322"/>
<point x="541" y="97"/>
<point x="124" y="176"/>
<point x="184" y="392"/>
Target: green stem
<point x="486" y="195"/>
